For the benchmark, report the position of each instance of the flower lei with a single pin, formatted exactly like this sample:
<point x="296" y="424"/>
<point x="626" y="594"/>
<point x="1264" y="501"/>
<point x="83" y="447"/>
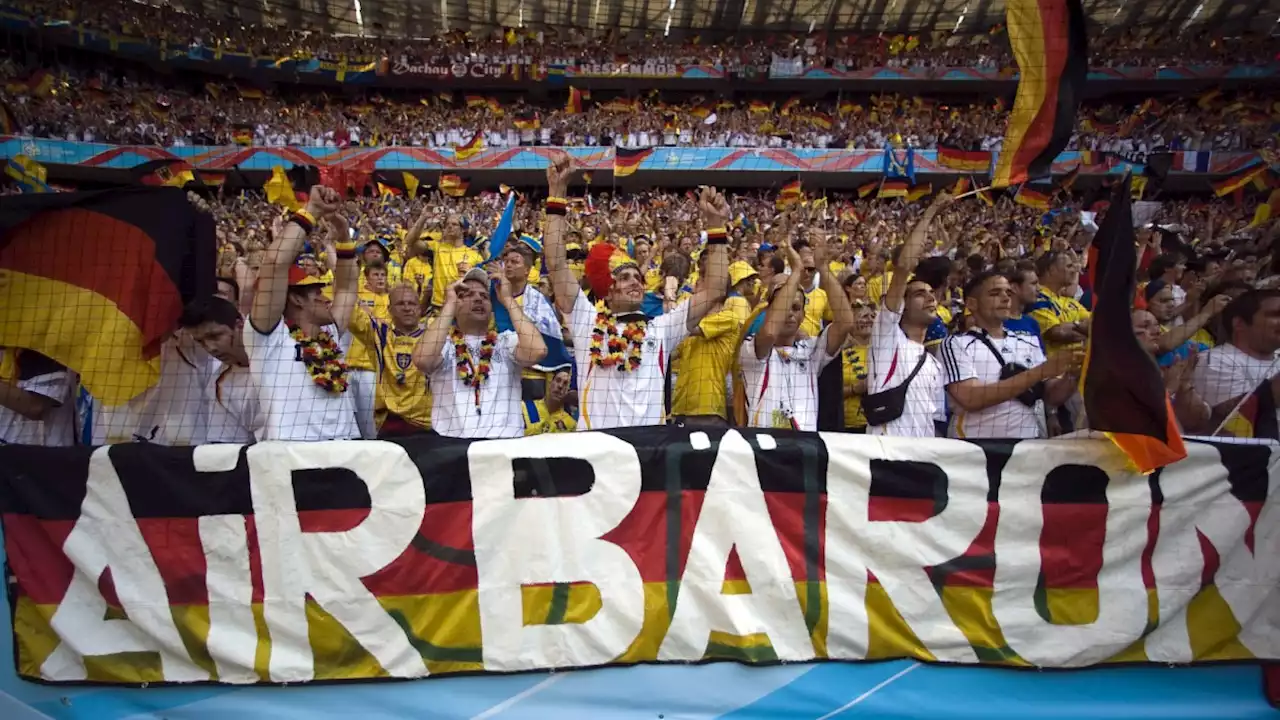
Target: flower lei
<point x="323" y="359"/>
<point x="471" y="372"/>
<point x="611" y="349"/>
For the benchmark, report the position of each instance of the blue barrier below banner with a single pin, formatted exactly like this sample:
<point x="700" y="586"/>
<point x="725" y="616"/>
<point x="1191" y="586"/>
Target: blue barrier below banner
<point x="725" y="690"/>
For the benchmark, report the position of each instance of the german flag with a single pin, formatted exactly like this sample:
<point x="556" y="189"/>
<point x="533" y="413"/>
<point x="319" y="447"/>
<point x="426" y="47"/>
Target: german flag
<point x="242" y="135"/>
<point x="983" y="195"/>
<point x="1238" y="182"/>
<point x="627" y="160"/>
<point x="1123" y="391"/>
<point x="920" y="191"/>
<point x="1031" y="198"/>
<point x="1067" y="181"/>
<point x="789" y="105"/>
<point x="964" y="160"/>
<point x="822" y="120"/>
<point x="961" y="187"/>
<point x="528" y="120"/>
<point x="790" y="194"/>
<point x="868" y="188"/>
<point x="760" y="106"/>
<point x="574" y="105"/>
<point x="1256" y="416"/>
<point x="385" y="190"/>
<point x="165" y="173"/>
<point x="470" y="148"/>
<point x="495" y="107"/>
<point x="1049" y="43"/>
<point x="476" y="101"/>
<point x="410" y="184"/>
<point x="893" y="189"/>
<point x="454" y="186"/>
<point x="97" y="280"/>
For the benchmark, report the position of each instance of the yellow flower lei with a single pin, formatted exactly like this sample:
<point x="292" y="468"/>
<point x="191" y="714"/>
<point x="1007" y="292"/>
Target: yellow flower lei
<point x="617" y="350"/>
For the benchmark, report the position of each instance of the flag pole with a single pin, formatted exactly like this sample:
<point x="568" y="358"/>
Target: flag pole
<point x="974" y="192"/>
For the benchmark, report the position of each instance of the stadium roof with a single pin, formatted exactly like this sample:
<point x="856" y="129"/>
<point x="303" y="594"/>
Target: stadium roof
<point x="715" y="19"/>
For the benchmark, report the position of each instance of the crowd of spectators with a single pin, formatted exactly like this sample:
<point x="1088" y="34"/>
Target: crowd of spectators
<point x="97" y="105"/>
<point x="1147" y="46"/>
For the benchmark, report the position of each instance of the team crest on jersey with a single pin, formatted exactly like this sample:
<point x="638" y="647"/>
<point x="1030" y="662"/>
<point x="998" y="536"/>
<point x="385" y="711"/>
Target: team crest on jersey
<point x="404" y="360"/>
<point x="650" y="344"/>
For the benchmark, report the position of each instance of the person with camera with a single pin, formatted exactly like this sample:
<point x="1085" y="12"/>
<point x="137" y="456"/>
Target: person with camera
<point x="999" y="380"/>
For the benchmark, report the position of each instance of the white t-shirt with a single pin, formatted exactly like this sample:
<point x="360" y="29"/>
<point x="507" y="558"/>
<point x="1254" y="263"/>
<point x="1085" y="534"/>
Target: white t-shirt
<point x="609" y="398"/>
<point x="174" y="412"/>
<point x="454" y="408"/>
<point x="782" y="389"/>
<point x="1225" y="372"/>
<point x="966" y="357"/>
<point x="40" y="375"/>
<point x="235" y="414"/>
<point x="892" y="358"/>
<point x="293" y="406"/>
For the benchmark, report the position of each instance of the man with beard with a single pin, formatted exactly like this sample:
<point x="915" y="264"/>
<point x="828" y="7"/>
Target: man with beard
<point x="622" y="357"/>
<point x="296" y="337"/>
<point x="998" y="379"/>
<point x="473" y="368"/>
<point x="402" y="388"/>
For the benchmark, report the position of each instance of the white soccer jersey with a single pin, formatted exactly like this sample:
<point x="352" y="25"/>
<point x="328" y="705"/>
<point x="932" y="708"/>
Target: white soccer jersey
<point x="458" y="411"/>
<point x="967" y="357"/>
<point x="175" y="411"/>
<point x="892" y="358"/>
<point x="782" y="389"/>
<point x="293" y="406"/>
<point x="610" y="398"/>
<point x="235" y="414"/>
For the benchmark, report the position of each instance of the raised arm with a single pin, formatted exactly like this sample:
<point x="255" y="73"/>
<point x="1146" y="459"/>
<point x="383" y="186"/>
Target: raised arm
<point x="563" y="283"/>
<point x="427" y="354"/>
<point x="776" y="316"/>
<point x="842" y="316"/>
<point x="715" y="214"/>
<point x="346" y="276"/>
<point x="909" y="258"/>
<point x="273" y="276"/>
<point x="530" y="347"/>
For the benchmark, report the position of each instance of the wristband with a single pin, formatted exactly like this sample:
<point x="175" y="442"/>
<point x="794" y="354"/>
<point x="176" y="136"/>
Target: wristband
<point x="717" y="236"/>
<point x="345" y="250"/>
<point x="304" y="220"/>
<point x="556" y="205"/>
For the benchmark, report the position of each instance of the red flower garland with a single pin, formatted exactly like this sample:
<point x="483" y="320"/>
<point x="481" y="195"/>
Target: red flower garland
<point x="323" y="359"/>
<point x="623" y="350"/>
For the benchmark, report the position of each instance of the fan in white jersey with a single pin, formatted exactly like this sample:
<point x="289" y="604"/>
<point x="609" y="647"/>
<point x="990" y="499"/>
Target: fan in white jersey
<point x="36" y="405"/>
<point x="473" y="368"/>
<point x="296" y="337"/>
<point x="779" y="367"/>
<point x="622" y="356"/>
<point x="898" y="355"/>
<point x="998" y="380"/>
<point x="231" y="398"/>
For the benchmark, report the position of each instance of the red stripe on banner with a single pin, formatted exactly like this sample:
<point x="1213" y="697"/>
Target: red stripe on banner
<point x="1071" y="544"/>
<point x="891" y="509"/>
<point x="33" y="548"/>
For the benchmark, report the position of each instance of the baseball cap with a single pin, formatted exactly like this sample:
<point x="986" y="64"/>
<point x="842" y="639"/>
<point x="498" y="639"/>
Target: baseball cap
<point x="299" y="278"/>
<point x="740" y="271"/>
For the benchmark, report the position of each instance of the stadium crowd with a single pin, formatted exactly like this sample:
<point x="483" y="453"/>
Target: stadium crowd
<point x="98" y="105"/>
<point x="1149" y="47"/>
<point x="387" y="316"/>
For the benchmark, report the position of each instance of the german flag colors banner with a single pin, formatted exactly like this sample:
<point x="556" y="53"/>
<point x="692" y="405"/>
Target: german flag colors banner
<point x="1122" y="387"/>
<point x="1031" y="198"/>
<point x="470" y="148"/>
<point x="627" y="160"/>
<point x="138" y="563"/>
<point x="1239" y="181"/>
<point x="1052" y="50"/>
<point x="893" y="189"/>
<point x="454" y="185"/>
<point x="97" y="280"/>
<point x="964" y="160"/>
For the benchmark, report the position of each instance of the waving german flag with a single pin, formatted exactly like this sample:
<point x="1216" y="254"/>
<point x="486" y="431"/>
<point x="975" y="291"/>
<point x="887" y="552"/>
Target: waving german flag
<point x="627" y="160"/>
<point x="965" y="160"/>
<point x="470" y="148"/>
<point x="1123" y="391"/>
<point x="1049" y="43"/>
<point x="97" y="280"/>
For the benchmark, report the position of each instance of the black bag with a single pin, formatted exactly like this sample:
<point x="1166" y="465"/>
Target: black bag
<point x="1007" y="370"/>
<point x="884" y="407"/>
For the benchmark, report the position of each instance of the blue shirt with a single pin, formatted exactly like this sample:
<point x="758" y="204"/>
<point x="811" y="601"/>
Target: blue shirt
<point x="1025" y="324"/>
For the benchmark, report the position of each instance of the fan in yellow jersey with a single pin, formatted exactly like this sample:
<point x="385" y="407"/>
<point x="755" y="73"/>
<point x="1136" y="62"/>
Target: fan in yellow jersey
<point x="361" y="361"/>
<point x="700" y="396"/>
<point x="854" y="366"/>
<point x="401" y="387"/>
<point x="452" y="260"/>
<point x="550" y="414"/>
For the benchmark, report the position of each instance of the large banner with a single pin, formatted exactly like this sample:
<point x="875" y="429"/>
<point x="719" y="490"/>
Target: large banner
<point x="291" y="562"/>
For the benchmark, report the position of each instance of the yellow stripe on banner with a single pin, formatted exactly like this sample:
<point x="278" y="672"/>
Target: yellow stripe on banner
<point x="1026" y="35"/>
<point x="446" y="631"/>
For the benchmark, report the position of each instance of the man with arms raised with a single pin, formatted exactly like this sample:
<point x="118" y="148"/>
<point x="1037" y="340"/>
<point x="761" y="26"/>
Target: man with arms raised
<point x="622" y="357"/>
<point x="780" y="367"/>
<point x="904" y="385"/>
<point x="998" y="379"/>
<point x="295" y="337"/>
<point x="474" y="369"/>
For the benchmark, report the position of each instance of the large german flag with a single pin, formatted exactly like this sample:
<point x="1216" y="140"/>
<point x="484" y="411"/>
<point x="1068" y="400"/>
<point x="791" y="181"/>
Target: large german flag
<point x="97" y="280"/>
<point x="1124" y="393"/>
<point x="627" y="160"/>
<point x="1049" y="43"/>
<point x="1256" y="416"/>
